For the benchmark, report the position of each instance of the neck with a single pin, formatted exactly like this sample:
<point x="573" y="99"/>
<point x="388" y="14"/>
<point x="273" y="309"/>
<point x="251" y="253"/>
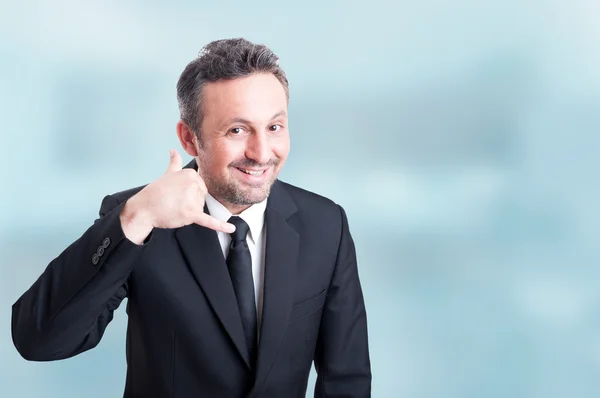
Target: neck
<point x="235" y="209"/>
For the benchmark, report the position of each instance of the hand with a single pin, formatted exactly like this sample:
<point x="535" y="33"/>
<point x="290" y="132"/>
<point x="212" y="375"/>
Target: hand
<point x="174" y="200"/>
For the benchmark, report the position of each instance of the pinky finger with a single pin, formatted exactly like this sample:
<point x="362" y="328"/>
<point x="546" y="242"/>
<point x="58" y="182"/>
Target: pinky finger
<point x="212" y="223"/>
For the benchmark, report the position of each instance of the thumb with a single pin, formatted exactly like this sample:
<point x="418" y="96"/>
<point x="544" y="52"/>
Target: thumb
<point x="174" y="162"/>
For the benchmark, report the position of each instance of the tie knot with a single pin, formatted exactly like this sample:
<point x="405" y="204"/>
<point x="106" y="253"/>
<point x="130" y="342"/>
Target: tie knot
<point x="241" y="228"/>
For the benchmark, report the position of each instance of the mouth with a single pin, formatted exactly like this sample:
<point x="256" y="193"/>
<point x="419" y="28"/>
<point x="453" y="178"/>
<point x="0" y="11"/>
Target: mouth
<point x="256" y="173"/>
<point x="254" y="177"/>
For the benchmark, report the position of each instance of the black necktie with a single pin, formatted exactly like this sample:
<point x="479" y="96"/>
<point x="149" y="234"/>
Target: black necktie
<point x="239" y="262"/>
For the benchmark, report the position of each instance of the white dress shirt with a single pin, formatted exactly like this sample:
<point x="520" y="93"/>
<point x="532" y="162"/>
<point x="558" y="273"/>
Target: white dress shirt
<point x="256" y="240"/>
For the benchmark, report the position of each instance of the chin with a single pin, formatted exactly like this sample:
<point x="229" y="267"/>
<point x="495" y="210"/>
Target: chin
<point x="256" y="197"/>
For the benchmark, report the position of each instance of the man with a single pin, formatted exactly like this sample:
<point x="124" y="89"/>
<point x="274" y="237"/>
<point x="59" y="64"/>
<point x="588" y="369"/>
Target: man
<point x="236" y="281"/>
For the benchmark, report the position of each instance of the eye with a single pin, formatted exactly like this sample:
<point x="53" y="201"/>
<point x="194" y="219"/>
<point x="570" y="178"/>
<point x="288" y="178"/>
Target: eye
<point x="236" y="130"/>
<point x="275" y="127"/>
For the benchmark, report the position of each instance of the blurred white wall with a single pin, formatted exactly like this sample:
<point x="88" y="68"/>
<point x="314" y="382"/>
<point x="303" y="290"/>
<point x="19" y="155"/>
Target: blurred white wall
<point x="461" y="137"/>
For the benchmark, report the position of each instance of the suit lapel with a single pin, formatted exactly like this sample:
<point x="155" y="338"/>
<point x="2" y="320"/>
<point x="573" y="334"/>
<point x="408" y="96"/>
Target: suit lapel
<point x="203" y="253"/>
<point x="280" y="267"/>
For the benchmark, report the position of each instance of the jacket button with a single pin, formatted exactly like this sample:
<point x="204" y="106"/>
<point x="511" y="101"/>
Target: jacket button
<point x="95" y="259"/>
<point x="100" y="251"/>
<point x="106" y="242"/>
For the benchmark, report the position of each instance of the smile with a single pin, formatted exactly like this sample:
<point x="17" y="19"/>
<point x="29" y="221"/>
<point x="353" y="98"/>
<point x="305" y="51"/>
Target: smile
<point x="252" y="172"/>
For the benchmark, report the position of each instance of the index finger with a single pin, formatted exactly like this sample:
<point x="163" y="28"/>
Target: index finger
<point x="212" y="223"/>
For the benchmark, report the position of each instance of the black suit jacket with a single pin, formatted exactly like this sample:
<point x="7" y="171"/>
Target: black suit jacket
<point x="184" y="334"/>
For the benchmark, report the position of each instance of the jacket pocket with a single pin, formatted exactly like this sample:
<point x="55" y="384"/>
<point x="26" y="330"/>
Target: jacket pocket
<point x="308" y="306"/>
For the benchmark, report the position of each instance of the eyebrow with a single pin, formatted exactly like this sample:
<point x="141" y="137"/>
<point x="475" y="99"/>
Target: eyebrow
<point x="246" y="121"/>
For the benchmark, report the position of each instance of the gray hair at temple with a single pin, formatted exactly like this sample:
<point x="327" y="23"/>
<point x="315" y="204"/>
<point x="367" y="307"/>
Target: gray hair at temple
<point x="222" y="59"/>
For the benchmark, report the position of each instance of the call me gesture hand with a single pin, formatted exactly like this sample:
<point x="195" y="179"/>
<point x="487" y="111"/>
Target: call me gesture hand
<point x="174" y="200"/>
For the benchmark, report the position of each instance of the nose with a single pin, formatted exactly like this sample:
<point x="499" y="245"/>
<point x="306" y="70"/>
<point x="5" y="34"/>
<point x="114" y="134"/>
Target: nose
<point x="257" y="148"/>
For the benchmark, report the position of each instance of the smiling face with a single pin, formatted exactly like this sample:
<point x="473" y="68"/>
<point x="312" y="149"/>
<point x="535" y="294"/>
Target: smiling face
<point x="245" y="139"/>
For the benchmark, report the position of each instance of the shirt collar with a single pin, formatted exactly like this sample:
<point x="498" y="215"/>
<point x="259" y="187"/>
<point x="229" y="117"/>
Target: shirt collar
<point x="254" y="215"/>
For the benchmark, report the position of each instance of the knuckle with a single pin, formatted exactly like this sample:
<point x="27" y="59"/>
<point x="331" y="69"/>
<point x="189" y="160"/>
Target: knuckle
<point x="189" y="209"/>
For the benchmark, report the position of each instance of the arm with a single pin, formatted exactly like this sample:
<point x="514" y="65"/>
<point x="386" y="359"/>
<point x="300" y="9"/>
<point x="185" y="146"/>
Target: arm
<point x="66" y="311"/>
<point x="342" y="354"/>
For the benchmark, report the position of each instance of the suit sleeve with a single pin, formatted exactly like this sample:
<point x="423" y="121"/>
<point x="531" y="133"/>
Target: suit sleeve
<point x="67" y="309"/>
<point x="342" y="354"/>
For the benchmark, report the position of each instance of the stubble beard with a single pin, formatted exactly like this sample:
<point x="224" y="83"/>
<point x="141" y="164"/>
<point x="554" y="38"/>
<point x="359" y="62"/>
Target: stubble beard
<point x="234" y="192"/>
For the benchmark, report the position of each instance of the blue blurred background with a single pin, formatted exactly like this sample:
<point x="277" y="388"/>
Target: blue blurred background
<point x="462" y="138"/>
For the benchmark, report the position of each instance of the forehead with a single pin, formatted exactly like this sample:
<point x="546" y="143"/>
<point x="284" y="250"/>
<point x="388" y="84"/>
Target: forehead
<point x="255" y="97"/>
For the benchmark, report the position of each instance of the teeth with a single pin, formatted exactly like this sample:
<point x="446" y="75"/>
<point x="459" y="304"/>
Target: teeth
<point x="253" y="173"/>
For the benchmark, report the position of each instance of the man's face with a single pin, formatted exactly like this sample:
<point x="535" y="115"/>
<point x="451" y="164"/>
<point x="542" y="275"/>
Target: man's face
<point x="245" y="138"/>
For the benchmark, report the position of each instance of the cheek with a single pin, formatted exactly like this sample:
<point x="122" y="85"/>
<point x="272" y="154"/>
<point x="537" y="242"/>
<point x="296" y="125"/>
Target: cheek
<point x="281" y="147"/>
<point x="223" y="156"/>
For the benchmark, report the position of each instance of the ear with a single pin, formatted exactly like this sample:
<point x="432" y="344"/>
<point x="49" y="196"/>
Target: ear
<point x="187" y="138"/>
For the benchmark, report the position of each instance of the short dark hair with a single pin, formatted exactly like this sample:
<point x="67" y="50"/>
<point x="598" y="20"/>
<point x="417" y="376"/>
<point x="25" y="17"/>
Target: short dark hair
<point x="222" y="60"/>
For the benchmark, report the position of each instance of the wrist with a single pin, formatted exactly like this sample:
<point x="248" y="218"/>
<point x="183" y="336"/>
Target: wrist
<point x="135" y="221"/>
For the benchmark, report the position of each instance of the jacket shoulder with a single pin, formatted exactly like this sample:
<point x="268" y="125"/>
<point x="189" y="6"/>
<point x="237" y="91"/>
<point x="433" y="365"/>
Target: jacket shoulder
<point x="122" y="196"/>
<point x="308" y="200"/>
